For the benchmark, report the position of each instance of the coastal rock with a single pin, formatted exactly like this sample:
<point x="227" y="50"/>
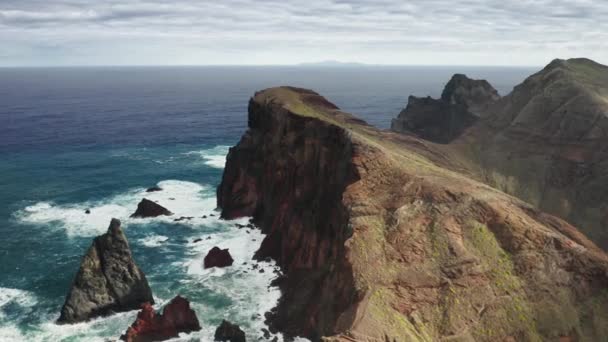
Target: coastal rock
<point x="217" y="257"/>
<point x="340" y="200"/>
<point x="108" y="280"/>
<point x="177" y="317"/>
<point x="445" y="119"/>
<point x="147" y="208"/>
<point x="154" y="189"/>
<point x="228" y="332"/>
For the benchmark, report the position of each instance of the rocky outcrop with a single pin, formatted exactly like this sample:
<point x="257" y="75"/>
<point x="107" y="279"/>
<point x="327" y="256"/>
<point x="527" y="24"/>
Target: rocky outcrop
<point x="445" y="119"/>
<point x="228" y="332"/>
<point x="217" y="257"/>
<point x="475" y="95"/>
<point x="177" y="317"/>
<point x="383" y="236"/>
<point x="147" y="208"/>
<point x="108" y="280"/>
<point x="154" y="189"/>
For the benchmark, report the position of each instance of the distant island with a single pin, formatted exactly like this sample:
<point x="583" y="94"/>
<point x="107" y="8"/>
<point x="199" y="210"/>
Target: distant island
<point x="332" y="63"/>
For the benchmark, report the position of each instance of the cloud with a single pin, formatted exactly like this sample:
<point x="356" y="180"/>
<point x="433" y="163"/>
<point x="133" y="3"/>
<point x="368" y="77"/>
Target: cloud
<point x="289" y="31"/>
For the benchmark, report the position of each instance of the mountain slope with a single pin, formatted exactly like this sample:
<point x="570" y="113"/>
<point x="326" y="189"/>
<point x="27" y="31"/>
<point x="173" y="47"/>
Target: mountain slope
<point x="547" y="143"/>
<point x="386" y="237"/>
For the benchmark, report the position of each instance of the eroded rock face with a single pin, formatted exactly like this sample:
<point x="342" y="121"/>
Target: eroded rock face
<point x="228" y="332"/>
<point x="147" y="208"/>
<point x="340" y="201"/>
<point x="108" y="280"/>
<point x="442" y="120"/>
<point x="177" y="317"/>
<point x="217" y="257"/>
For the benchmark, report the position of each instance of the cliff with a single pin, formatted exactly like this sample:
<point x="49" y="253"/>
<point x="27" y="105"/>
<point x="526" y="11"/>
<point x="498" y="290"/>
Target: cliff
<point x="386" y="237"/>
<point x="442" y="120"/>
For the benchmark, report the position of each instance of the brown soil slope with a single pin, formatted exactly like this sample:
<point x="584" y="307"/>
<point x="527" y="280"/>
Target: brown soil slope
<point x="383" y="238"/>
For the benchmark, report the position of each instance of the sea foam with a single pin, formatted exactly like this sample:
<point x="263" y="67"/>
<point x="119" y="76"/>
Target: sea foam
<point x="180" y="197"/>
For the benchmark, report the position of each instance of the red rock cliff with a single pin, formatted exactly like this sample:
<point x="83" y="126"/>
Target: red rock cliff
<point x="384" y="237"/>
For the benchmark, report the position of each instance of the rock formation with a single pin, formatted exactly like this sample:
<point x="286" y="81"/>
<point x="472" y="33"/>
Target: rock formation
<point x="545" y="143"/>
<point x="147" y="208"/>
<point x="445" y="119"/>
<point x="154" y="189"/>
<point x="228" y="332"/>
<point x="177" y="317"/>
<point x="387" y="237"/>
<point x="108" y="280"/>
<point x="217" y="257"/>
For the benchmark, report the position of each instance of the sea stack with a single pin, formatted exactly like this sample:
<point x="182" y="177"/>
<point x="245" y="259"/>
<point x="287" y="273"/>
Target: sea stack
<point x="108" y="280"/>
<point x="147" y="208"/>
<point x="177" y="317"/>
<point x="217" y="257"/>
<point x="228" y="332"/>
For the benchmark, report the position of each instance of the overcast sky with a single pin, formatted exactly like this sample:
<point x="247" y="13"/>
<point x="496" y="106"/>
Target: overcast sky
<point x="193" y="32"/>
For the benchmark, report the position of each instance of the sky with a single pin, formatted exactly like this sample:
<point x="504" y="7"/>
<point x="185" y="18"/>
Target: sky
<point x="270" y="32"/>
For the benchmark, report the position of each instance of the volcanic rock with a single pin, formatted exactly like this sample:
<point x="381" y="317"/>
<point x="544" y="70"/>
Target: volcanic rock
<point x="217" y="257"/>
<point x="154" y="189"/>
<point x="383" y="236"/>
<point x="108" y="280"/>
<point x="147" y="208"/>
<point x="229" y="332"/>
<point x="177" y="317"/>
<point x="445" y="119"/>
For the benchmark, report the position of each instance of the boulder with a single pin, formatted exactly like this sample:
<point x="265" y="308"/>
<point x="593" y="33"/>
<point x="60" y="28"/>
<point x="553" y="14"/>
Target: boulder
<point x="147" y="208"/>
<point x="218" y="258"/>
<point x="108" y="280"/>
<point x="229" y="332"/>
<point x="177" y="317"/>
<point x="154" y="189"/>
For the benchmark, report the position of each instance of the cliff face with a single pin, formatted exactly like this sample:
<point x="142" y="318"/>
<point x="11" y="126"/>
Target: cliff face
<point x="546" y="143"/>
<point x="442" y="120"/>
<point x="381" y="239"/>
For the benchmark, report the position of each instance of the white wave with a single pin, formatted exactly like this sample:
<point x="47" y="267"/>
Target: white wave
<point x="248" y="287"/>
<point x="15" y="296"/>
<point x="213" y="157"/>
<point x="153" y="240"/>
<point x="180" y="197"/>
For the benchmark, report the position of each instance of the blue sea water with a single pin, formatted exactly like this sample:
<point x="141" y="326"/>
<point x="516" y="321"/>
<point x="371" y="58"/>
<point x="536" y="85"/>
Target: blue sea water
<point x="73" y="139"/>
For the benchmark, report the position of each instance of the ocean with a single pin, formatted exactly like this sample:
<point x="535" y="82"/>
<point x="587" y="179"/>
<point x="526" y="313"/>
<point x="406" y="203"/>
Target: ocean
<point x="73" y="139"/>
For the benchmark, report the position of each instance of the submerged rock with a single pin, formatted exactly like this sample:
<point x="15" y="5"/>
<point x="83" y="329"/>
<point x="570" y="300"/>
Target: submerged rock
<point x="229" y="332"/>
<point x="147" y="208"/>
<point x="154" y="189"/>
<point x="218" y="258"/>
<point x="108" y="280"/>
<point x="177" y="317"/>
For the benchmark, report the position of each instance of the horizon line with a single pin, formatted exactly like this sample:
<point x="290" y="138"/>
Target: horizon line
<point x="302" y="65"/>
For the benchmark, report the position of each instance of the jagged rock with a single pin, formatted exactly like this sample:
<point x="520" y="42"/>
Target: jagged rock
<point x="473" y="94"/>
<point x="147" y="208"/>
<point x="108" y="280"/>
<point x="384" y="237"/>
<point x="154" y="189"/>
<point x="445" y="119"/>
<point x="217" y="257"/>
<point x="229" y="332"/>
<point x="177" y="317"/>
